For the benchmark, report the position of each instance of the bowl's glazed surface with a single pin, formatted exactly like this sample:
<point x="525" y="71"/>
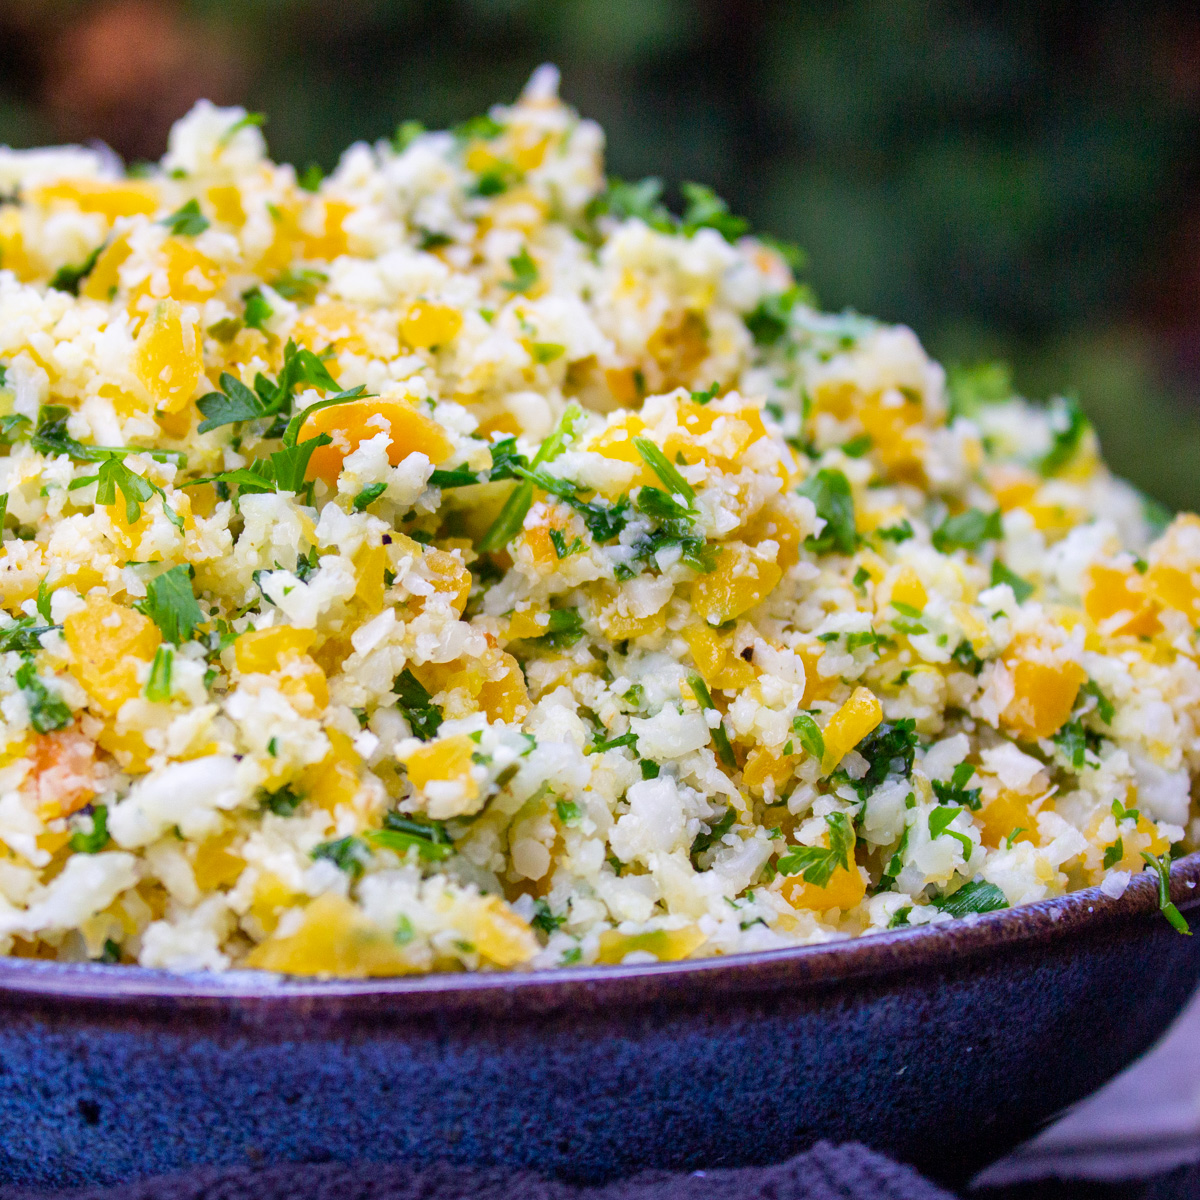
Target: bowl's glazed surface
<point x="943" y="1046"/>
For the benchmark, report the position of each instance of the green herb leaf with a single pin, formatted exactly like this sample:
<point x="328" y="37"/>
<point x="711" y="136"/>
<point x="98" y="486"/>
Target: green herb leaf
<point x="24" y="636"/>
<point x="716" y="831"/>
<point x="246" y="122"/>
<point x="1104" y="706"/>
<point x="704" y="209"/>
<point x="889" y="750"/>
<point x="482" y="128"/>
<point x="897" y="533"/>
<point x="258" y="311"/>
<point x="47" y="710"/>
<point x="1114" y="853"/>
<point x="816" y="864"/>
<point x="68" y="279"/>
<point x="1069" y="425"/>
<point x="282" y="802"/>
<point x="720" y="738"/>
<point x="641" y="200"/>
<point x="187" y="221"/>
<point x="977" y="896"/>
<point x="368" y="496"/>
<point x="94" y="842"/>
<point x="525" y="273"/>
<point x="939" y="826"/>
<point x="829" y="491"/>
<point x="771" y="319"/>
<point x="171" y="604"/>
<point x="1021" y="588"/>
<point x="301" y="284"/>
<point x="1161" y="865"/>
<point x="158" y="685"/>
<point x="349" y="854"/>
<point x="662" y="466"/>
<point x="967" y="531"/>
<point x="810" y="735"/>
<point x="956" y="791"/>
<point x="416" y="705"/>
<point x="403" y="833"/>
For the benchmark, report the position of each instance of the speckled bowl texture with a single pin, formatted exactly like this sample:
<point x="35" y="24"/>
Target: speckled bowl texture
<point x="941" y="1046"/>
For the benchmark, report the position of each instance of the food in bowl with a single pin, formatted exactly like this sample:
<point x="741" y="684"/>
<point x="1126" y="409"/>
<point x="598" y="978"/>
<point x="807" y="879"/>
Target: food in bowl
<point x="462" y="561"/>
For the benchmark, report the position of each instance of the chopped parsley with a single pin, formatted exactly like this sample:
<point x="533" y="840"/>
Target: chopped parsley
<point x="720" y="738"/>
<point x="369" y="495"/>
<point x="562" y="548"/>
<point x="816" y="864"/>
<point x="704" y="209"/>
<point x="47" y="710"/>
<point x="889" y="750"/>
<point x="809" y="734"/>
<point x="1068" y="425"/>
<point x="939" y="826"/>
<point x="956" y="791"/>
<point x="977" y="896"/>
<point x="770" y="320"/>
<point x="258" y="312"/>
<point x="67" y="279"/>
<point x="829" y="491"/>
<point x="897" y="533"/>
<point x="402" y="833"/>
<point x="416" y="705"/>
<point x="187" y="221"/>
<point x="171" y="604"/>
<point x="1021" y="588"/>
<point x="967" y="531"/>
<point x="1161" y="866"/>
<point x="348" y="854"/>
<point x="543" y="918"/>
<point x="283" y="802"/>
<point x="524" y="273"/>
<point x="158" y="685"/>
<point x="716" y="831"/>
<point x="95" y="840"/>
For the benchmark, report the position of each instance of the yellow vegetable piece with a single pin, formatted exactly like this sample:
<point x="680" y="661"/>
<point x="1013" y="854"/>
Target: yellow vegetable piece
<point x="667" y="945"/>
<point x="108" y="642"/>
<point x="334" y="938"/>
<point x="370" y="563"/>
<point x="907" y="588"/>
<point x="103" y="279"/>
<point x="1117" y="602"/>
<point x="214" y="866"/>
<point x="845" y="889"/>
<point x="427" y="324"/>
<point x="351" y="424"/>
<point x="1002" y="814"/>
<point x="849" y="725"/>
<point x="501" y="936"/>
<point x="331" y="241"/>
<point x="334" y="781"/>
<point x="167" y="357"/>
<point x="447" y="759"/>
<point x="261" y="651"/>
<point x="743" y="577"/>
<point x="226" y="202"/>
<point x="450" y="575"/>
<point x="502" y="694"/>
<point x="1043" y="696"/>
<point x="763" y="767"/>
<point x="271" y="896"/>
<point x="110" y="198"/>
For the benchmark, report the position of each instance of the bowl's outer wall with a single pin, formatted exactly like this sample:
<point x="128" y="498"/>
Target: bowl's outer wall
<point x="945" y="1066"/>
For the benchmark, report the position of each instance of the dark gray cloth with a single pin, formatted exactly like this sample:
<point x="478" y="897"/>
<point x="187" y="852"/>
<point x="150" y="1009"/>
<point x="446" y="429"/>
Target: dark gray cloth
<point x="825" y="1172"/>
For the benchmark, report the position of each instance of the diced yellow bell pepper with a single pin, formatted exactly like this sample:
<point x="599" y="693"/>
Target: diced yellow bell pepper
<point x="358" y="421"/>
<point x="1043" y="695"/>
<point x="108" y="642"/>
<point x="742" y="578"/>
<point x="667" y="945"/>
<point x="426" y="324"/>
<point x="849" y="725"/>
<point x="501" y="936"/>
<point x="109" y="198"/>
<point x="167" y="357"/>
<point x="334" y="938"/>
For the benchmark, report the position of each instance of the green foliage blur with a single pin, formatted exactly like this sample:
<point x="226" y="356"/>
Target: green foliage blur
<point x="1012" y="181"/>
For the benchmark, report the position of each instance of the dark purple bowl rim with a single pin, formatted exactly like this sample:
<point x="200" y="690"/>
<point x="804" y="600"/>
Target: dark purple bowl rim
<point x="800" y="968"/>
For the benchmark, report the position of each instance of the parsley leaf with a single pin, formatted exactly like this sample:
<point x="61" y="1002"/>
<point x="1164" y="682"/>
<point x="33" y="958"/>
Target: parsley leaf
<point x="1104" y="706"/>
<point x="716" y="831"/>
<point x="258" y="311"/>
<point x="187" y="221"/>
<point x="956" y="791"/>
<point x="525" y="273"/>
<point x="897" y="533"/>
<point x="810" y="735"/>
<point x="402" y="833"/>
<point x="816" y="864"/>
<point x="964" y="654"/>
<point x="348" y="854"/>
<point x="47" y="710"/>
<point x="24" y="637"/>
<point x="158" y="685"/>
<point x="1160" y="864"/>
<point x="1021" y="588"/>
<point x="704" y="209"/>
<point x="564" y="629"/>
<point x="977" y="896"/>
<point x="770" y="320"/>
<point x="1069" y="425"/>
<point x="720" y="738"/>
<point x="662" y="466"/>
<point x="641" y="200"/>
<point x="416" y="705"/>
<point x="1114" y="853"/>
<point x="967" y="531"/>
<point x="171" y="604"/>
<point x="369" y="495"/>
<point x="68" y="279"/>
<point x="829" y="491"/>
<point x="889" y="750"/>
<point x="94" y="842"/>
<point x="939" y="826"/>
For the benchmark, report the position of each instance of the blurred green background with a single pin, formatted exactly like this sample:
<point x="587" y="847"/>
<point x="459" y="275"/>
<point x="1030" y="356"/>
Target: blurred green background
<point x="1018" y="181"/>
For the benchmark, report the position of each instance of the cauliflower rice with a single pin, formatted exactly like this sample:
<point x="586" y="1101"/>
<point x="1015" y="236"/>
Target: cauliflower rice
<point x="461" y="562"/>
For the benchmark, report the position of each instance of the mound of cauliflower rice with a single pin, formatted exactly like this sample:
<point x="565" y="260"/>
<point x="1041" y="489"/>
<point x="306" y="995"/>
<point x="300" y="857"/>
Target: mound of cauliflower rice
<point x="464" y="562"/>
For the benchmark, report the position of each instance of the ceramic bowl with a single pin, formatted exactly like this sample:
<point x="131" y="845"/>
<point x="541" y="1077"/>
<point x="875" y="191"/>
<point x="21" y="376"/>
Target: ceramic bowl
<point x="943" y="1046"/>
